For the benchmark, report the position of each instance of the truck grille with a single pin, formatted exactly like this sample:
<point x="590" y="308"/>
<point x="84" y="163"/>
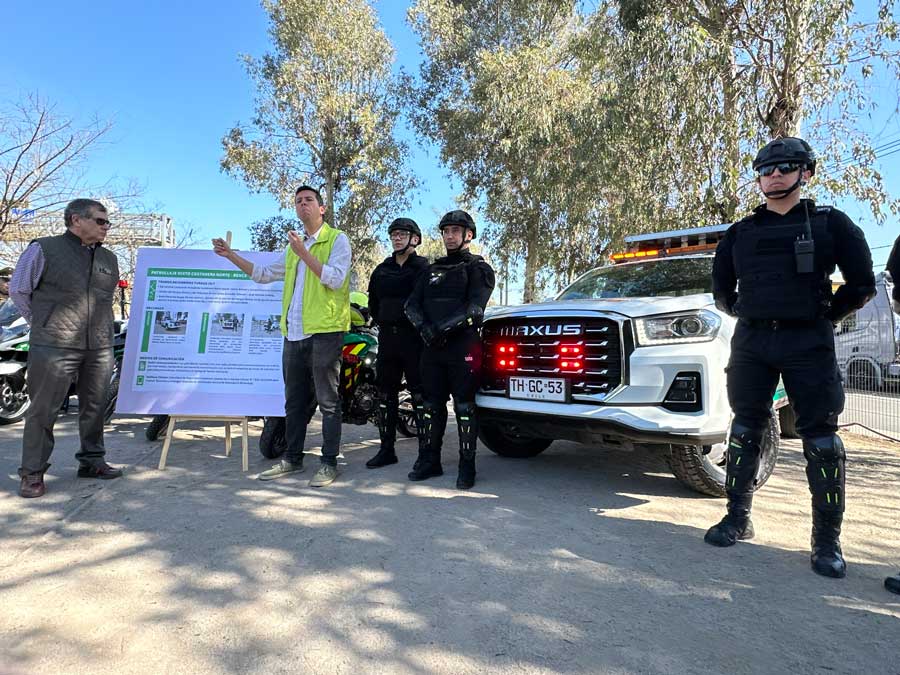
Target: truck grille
<point x="537" y="343"/>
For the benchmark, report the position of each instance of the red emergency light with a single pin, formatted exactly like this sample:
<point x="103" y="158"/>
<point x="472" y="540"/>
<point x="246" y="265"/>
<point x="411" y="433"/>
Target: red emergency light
<point x="571" y="357"/>
<point x="505" y="355"/>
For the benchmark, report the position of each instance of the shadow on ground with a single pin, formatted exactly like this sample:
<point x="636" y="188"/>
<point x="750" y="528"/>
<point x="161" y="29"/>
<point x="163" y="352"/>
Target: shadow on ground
<point x="575" y="561"/>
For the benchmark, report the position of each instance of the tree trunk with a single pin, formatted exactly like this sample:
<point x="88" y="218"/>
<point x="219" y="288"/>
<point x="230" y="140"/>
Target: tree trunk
<point x="532" y="258"/>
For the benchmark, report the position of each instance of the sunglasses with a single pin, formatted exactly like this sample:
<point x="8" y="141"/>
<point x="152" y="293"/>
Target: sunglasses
<point x="783" y="169"/>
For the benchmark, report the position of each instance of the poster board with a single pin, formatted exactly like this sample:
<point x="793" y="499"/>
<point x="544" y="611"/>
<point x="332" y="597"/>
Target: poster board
<point x="203" y="338"/>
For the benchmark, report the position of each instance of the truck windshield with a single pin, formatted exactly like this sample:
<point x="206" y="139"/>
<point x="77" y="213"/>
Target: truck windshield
<point x="655" y="278"/>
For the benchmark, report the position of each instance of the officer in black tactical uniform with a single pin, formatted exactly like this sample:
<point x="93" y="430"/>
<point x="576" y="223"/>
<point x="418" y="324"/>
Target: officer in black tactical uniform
<point x="893" y="268"/>
<point x="772" y="270"/>
<point x="447" y="307"/>
<point x="399" y="344"/>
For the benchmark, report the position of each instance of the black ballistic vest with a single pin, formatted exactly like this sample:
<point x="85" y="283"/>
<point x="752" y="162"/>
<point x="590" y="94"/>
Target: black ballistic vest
<point x="769" y="286"/>
<point x="72" y="306"/>
<point x="392" y="284"/>
<point x="446" y="287"/>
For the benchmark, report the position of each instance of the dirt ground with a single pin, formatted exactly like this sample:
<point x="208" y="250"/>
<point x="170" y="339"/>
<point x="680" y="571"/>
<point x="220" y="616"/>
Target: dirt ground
<point x="577" y="561"/>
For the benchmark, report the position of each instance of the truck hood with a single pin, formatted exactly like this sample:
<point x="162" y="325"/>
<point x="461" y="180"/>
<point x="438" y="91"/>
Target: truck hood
<point x="623" y="307"/>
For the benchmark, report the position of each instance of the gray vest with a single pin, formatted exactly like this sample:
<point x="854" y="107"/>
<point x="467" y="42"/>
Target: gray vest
<point x="72" y="304"/>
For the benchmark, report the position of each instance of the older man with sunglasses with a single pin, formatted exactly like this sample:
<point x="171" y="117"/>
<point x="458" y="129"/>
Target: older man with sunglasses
<point x="772" y="271"/>
<point x="63" y="286"/>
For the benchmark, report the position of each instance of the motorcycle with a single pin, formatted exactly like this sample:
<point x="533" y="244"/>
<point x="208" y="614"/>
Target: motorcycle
<point x="14" y="342"/>
<point x="14" y="330"/>
<point x="359" y="395"/>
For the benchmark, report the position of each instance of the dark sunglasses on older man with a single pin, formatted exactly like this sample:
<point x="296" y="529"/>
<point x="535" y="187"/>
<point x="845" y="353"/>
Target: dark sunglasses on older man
<point x="783" y="169"/>
<point x="102" y="222"/>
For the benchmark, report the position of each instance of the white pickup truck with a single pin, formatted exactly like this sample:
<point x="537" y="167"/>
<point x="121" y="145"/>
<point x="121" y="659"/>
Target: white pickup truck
<point x="630" y="354"/>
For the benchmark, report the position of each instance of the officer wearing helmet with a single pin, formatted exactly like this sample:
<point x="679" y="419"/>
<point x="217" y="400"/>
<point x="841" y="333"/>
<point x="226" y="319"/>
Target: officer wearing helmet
<point x="772" y="271"/>
<point x="446" y="307"/>
<point x="400" y="347"/>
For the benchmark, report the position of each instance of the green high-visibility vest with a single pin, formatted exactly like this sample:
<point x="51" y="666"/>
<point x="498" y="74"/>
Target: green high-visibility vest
<point x="325" y="310"/>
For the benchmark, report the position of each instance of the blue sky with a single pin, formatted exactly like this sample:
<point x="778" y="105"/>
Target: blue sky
<point x="171" y="81"/>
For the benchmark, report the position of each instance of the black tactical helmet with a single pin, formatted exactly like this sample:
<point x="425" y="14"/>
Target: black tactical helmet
<point x="6" y="273"/>
<point x="458" y="217"/>
<point x="405" y="225"/>
<point x="786" y="150"/>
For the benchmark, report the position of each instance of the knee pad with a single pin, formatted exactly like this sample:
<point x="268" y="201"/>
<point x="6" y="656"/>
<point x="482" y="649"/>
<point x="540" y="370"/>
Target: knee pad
<point x="464" y="410"/>
<point x="466" y="422"/>
<point x="744" y="450"/>
<point x="433" y="418"/>
<point x="825" y="461"/>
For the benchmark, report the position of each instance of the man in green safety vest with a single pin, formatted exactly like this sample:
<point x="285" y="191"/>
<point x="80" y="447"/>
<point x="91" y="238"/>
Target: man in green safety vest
<point x="315" y="314"/>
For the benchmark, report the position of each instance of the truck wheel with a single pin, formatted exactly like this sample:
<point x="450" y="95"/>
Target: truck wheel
<point x="702" y="468"/>
<point x="787" y="422"/>
<point x="862" y="376"/>
<point x="504" y="440"/>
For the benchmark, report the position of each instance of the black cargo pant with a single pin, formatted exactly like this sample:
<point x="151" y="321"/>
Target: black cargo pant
<point x="452" y="369"/>
<point x="50" y="374"/>
<point x="399" y="356"/>
<point x="803" y="355"/>
<point x="312" y="371"/>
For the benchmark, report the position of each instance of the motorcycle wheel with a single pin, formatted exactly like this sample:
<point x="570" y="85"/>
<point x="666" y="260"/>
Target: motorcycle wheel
<point x="157" y="427"/>
<point x="12" y="404"/>
<point x="272" y="441"/>
<point x="112" y="394"/>
<point x="406" y="416"/>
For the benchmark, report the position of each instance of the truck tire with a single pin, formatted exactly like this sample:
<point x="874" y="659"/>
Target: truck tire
<point x="702" y="468"/>
<point x="503" y="440"/>
<point x="862" y="376"/>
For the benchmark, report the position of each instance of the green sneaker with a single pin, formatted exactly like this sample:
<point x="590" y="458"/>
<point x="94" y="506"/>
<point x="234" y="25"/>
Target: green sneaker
<point x="324" y="476"/>
<point x="283" y="468"/>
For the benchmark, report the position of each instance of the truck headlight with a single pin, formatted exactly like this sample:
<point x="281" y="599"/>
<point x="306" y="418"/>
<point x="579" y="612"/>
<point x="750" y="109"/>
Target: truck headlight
<point x="700" y="326"/>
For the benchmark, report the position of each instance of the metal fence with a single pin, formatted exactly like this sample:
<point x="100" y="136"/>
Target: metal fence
<point x="866" y="344"/>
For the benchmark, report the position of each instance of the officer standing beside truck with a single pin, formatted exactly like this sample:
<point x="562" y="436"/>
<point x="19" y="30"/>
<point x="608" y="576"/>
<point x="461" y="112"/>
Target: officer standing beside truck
<point x="772" y="271"/>
<point x="399" y="344"/>
<point x="447" y="307"/>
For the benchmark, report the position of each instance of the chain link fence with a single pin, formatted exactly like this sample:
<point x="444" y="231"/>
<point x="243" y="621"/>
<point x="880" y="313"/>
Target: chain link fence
<point x="867" y="344"/>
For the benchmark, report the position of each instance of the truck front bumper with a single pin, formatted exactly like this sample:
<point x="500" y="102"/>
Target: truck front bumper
<point x="598" y="423"/>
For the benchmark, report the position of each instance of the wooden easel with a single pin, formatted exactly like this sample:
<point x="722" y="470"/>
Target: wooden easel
<point x="245" y="462"/>
<point x="245" y="442"/>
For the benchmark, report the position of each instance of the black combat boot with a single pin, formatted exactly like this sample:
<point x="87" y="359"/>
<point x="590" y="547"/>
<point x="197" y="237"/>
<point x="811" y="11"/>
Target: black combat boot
<point x="429" y="463"/>
<point x="429" y="466"/>
<point x="387" y="431"/>
<point x="744" y="449"/>
<point x="825" y="463"/>
<point x="736" y="525"/>
<point x="826" y="558"/>
<point x="467" y="427"/>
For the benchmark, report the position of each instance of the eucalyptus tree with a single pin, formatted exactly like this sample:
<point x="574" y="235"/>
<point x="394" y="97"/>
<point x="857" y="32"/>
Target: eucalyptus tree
<point x="326" y="114"/>
<point x="500" y="92"/>
<point x="800" y="68"/>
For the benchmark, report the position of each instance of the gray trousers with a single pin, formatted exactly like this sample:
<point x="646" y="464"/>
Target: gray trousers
<point x="50" y="374"/>
<point x="312" y="374"/>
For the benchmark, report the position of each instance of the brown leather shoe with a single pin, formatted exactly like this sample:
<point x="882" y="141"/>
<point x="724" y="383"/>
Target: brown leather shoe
<point x="32" y="485"/>
<point x="103" y="471"/>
